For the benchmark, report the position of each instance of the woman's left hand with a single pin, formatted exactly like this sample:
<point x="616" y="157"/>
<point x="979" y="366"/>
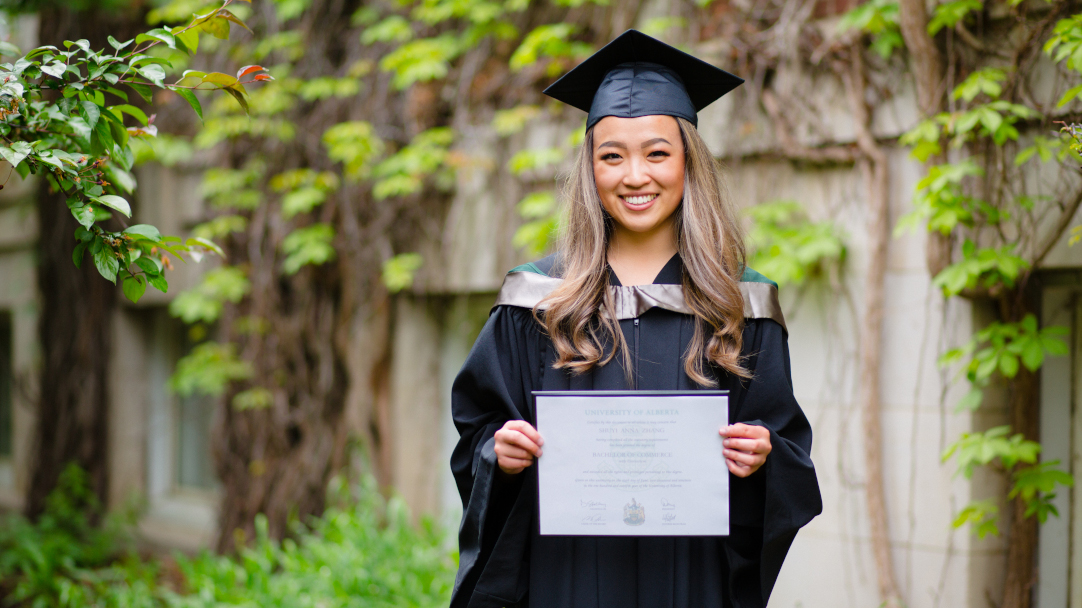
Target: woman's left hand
<point x="746" y="447"/>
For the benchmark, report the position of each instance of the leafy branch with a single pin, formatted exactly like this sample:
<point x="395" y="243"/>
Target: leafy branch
<point x="81" y="145"/>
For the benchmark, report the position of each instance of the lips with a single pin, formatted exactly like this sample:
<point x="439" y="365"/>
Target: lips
<point x="639" y="200"/>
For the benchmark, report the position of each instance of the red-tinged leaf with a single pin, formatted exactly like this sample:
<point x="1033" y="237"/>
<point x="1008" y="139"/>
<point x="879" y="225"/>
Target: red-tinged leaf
<point x="248" y="69"/>
<point x="216" y="80"/>
<point x="262" y="77"/>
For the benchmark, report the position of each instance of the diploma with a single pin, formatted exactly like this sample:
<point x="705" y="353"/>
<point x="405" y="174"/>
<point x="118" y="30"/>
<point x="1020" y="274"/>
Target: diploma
<point x="632" y="463"/>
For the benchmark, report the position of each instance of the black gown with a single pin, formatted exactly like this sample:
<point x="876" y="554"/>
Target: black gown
<point x="504" y="561"/>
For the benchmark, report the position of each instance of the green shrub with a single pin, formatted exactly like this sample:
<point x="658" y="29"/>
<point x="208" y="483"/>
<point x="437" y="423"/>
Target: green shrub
<point x="53" y="561"/>
<point x="362" y="552"/>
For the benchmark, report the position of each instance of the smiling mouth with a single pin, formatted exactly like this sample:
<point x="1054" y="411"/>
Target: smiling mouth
<point x="639" y="200"/>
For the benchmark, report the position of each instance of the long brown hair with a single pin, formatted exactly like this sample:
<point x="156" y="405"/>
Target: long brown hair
<point x="579" y="315"/>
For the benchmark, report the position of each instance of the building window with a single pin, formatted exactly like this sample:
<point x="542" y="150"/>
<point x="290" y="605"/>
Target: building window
<point x="6" y="385"/>
<point x="194" y="460"/>
<point x="180" y="427"/>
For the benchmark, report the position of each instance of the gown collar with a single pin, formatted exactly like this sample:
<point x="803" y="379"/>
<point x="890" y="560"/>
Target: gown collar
<point x="672" y="273"/>
<point x="528" y="285"/>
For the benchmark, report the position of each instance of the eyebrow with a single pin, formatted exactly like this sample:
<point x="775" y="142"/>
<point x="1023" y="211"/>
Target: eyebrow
<point x="613" y="144"/>
<point x="645" y="144"/>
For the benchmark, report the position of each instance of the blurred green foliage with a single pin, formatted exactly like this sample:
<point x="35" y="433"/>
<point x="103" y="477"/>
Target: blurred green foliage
<point x="363" y="551"/>
<point x="786" y="246"/>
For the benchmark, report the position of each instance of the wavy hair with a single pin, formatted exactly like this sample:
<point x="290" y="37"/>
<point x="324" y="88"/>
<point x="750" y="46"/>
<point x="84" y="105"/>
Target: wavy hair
<point x="579" y="316"/>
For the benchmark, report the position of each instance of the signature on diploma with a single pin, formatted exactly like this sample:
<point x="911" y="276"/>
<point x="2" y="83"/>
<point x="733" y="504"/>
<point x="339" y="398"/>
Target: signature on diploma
<point x="593" y="505"/>
<point x="668" y="516"/>
<point x="666" y="505"/>
<point x="593" y="519"/>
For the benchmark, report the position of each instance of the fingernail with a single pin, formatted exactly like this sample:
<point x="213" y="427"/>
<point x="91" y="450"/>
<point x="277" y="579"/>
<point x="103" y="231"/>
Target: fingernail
<point x="725" y="442"/>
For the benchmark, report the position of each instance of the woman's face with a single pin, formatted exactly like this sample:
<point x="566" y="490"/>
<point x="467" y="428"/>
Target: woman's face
<point x="639" y="170"/>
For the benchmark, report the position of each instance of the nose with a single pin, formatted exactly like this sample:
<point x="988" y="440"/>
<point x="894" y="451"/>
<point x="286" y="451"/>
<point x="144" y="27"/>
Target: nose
<point x="637" y="175"/>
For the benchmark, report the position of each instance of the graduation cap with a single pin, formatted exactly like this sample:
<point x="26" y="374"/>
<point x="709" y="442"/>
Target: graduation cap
<point x="636" y="75"/>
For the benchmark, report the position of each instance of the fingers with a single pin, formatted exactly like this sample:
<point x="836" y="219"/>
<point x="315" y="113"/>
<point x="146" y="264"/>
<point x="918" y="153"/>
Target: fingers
<point x="740" y="429"/>
<point x="755" y="460"/>
<point x="746" y="438"/>
<point x="751" y="446"/>
<point x="526" y="429"/>
<point x="517" y="444"/>
<point x="738" y="469"/>
<point x="519" y="434"/>
<point x="513" y="466"/>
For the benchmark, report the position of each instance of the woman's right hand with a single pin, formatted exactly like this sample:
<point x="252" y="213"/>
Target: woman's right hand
<point x="517" y="444"/>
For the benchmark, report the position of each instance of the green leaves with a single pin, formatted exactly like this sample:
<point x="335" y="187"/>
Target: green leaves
<point x="304" y="189"/>
<point x="355" y="144"/>
<point x="106" y="263"/>
<point x="548" y="42"/>
<point x="208" y="370"/>
<point x="789" y="248"/>
<point x="880" y="19"/>
<point x="999" y="348"/>
<point x="190" y="98"/>
<point x="509" y="122"/>
<point x="987" y="81"/>
<point x="394" y="28"/>
<point x="982" y="515"/>
<point x="16" y="153"/>
<point x="404" y="172"/>
<point x="398" y="271"/>
<point x="978" y="449"/>
<point x="949" y="14"/>
<point x="421" y="60"/>
<point x="204" y="303"/>
<point x="81" y="146"/>
<point x="542" y="222"/>
<point x="1065" y="44"/>
<point x="985" y="267"/>
<point x="203" y="81"/>
<point x="113" y="202"/>
<point x="309" y="245"/>
<point x="532" y="159"/>
<point x="1035" y="484"/>
<point x="941" y="202"/>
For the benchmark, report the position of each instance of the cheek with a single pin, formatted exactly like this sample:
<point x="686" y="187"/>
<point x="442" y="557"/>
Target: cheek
<point x="605" y="179"/>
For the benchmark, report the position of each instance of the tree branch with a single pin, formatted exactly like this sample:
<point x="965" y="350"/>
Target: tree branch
<point x="877" y="178"/>
<point x="795" y="150"/>
<point x="1061" y="226"/>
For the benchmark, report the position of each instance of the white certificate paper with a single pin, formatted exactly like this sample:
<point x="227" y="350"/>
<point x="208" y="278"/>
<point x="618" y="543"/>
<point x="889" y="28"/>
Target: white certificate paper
<point x="633" y="463"/>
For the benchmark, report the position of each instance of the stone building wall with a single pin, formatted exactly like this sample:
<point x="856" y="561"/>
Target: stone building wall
<point x="433" y="326"/>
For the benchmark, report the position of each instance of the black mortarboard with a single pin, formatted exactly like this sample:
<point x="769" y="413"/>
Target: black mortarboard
<point x="636" y="75"/>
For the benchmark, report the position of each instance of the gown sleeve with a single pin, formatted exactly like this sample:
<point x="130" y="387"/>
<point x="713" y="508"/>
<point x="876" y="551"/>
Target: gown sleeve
<point x="785" y="486"/>
<point x="494" y="386"/>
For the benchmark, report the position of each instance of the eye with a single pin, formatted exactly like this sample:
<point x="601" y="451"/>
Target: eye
<point x="658" y="154"/>
<point x="610" y="156"/>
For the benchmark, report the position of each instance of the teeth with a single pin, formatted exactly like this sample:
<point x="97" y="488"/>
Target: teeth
<point x="640" y="200"/>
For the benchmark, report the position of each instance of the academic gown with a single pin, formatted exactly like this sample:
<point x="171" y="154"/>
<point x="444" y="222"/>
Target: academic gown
<point x="504" y="561"/>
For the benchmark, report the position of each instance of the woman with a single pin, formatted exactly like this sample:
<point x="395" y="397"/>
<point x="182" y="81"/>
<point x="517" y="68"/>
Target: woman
<point x="648" y="292"/>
